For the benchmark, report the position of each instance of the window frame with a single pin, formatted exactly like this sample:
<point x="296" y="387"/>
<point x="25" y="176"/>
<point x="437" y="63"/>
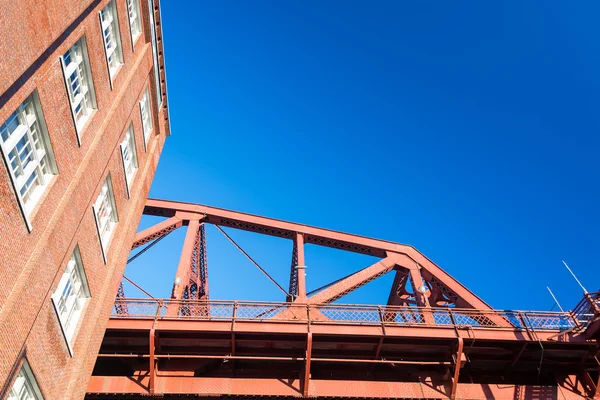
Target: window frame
<point x="69" y="332"/>
<point x="148" y="105"/>
<point x="28" y="378"/>
<point x="29" y="128"/>
<point x="137" y="9"/>
<point x="89" y="82"/>
<point x="159" y="95"/>
<point x="118" y="52"/>
<point x="134" y="158"/>
<point x="105" y="242"/>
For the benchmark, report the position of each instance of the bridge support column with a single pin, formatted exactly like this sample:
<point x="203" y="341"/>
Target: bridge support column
<point x="306" y="380"/>
<point x="300" y="268"/>
<point x="152" y="361"/>
<point x="458" y="361"/>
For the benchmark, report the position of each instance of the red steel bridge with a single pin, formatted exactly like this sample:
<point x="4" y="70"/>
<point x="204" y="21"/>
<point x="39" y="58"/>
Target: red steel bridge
<point x="434" y="339"/>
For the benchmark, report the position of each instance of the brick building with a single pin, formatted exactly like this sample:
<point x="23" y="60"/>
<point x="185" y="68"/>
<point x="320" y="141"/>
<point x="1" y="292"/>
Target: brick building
<point x="83" y="119"/>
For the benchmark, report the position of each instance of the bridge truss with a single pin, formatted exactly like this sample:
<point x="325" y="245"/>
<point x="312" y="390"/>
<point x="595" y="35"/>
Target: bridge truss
<point x="433" y="339"/>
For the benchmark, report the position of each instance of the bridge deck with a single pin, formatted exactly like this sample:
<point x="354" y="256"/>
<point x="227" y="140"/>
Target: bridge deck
<point x="242" y="348"/>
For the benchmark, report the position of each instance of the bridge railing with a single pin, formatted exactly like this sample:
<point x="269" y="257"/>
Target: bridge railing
<point x="343" y="314"/>
<point x="588" y="308"/>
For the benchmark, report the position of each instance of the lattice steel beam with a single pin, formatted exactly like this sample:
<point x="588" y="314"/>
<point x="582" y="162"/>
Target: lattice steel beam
<point x="120" y="305"/>
<point x="319" y="236"/>
<point x="293" y="291"/>
<point x="353" y="282"/>
<point x="156" y="231"/>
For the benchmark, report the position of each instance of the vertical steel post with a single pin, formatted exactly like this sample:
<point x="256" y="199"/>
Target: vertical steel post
<point x="152" y="360"/>
<point x="457" y="365"/>
<point x="421" y="298"/>
<point x="306" y="381"/>
<point x="184" y="268"/>
<point x="301" y="268"/>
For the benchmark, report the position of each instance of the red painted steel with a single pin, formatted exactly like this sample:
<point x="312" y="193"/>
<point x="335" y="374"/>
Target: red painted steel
<point x="434" y="339"/>
<point x="426" y="389"/>
<point x="156" y="231"/>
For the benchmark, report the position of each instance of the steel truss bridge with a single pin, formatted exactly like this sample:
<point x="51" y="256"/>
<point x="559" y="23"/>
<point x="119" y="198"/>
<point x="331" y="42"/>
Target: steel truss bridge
<point x="434" y="339"/>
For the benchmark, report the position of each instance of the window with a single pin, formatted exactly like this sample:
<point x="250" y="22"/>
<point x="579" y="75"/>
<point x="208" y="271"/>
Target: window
<point x="146" y="115"/>
<point x="27" y="151"/>
<point x="130" y="161"/>
<point x="155" y="53"/>
<point x="25" y="386"/>
<point x="70" y="296"/>
<point x="112" y="39"/>
<point x="135" y="25"/>
<point x="78" y="77"/>
<point x="106" y="214"/>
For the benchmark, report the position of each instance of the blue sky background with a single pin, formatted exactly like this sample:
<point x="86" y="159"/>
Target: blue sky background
<point x="467" y="129"/>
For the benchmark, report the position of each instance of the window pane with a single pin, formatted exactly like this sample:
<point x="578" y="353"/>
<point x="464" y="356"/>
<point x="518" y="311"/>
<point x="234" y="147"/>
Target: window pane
<point x="78" y="82"/>
<point x="110" y="31"/>
<point x="106" y="215"/>
<point x="26" y="149"/>
<point x="71" y="294"/>
<point x="25" y="387"/>
<point x="9" y="126"/>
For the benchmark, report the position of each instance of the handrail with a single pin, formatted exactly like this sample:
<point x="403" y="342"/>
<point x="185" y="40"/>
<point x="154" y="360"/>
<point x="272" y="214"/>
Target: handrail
<point x="362" y="314"/>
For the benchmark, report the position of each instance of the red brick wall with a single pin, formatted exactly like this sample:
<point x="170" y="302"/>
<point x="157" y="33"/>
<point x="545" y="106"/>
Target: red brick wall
<point x="31" y="263"/>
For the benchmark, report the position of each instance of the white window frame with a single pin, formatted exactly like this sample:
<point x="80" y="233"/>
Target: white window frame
<point x="129" y="158"/>
<point x="79" y="66"/>
<point x="28" y="167"/>
<point x="105" y="203"/>
<point x="135" y="20"/>
<point x="25" y="380"/>
<point x="113" y="49"/>
<point x="159" y="96"/>
<point x="146" y="115"/>
<point x="70" y="297"/>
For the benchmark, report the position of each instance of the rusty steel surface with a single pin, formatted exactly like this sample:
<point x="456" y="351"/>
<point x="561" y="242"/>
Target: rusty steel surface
<point x="434" y="339"/>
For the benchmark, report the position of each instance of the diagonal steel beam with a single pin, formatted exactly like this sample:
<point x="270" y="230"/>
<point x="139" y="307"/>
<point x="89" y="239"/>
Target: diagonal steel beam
<point x="353" y="282"/>
<point x="314" y="235"/>
<point x="156" y="231"/>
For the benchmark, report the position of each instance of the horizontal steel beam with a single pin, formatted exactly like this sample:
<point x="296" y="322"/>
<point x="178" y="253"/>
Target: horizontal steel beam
<point x="332" y="329"/>
<point x="424" y="389"/>
<point x="311" y="234"/>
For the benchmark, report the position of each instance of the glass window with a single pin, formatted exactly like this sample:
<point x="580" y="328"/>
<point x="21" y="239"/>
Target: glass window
<point x="71" y="295"/>
<point x="109" y="22"/>
<point x="78" y="77"/>
<point x="135" y="25"/>
<point x="146" y="115"/>
<point x="105" y="212"/>
<point x="128" y="151"/>
<point x="26" y="148"/>
<point x="25" y="386"/>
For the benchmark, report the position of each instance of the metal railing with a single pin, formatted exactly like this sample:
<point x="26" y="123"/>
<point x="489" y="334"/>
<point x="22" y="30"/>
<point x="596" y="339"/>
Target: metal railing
<point x="344" y="314"/>
<point x="588" y="308"/>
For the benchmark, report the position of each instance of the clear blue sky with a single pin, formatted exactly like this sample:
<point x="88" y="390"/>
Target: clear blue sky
<point x="467" y="129"/>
